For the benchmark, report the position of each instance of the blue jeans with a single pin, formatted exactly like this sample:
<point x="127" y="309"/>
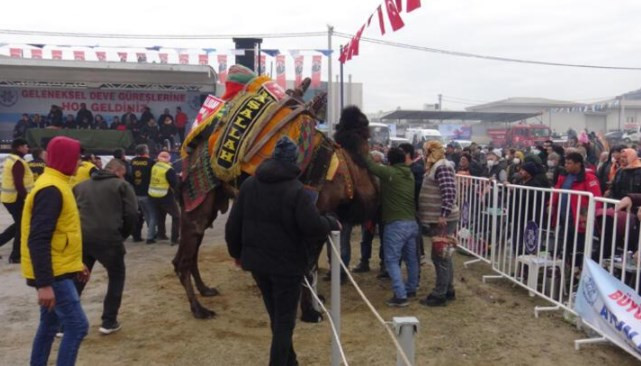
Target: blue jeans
<point x="399" y="241"/>
<point x="149" y="213"/>
<point x="68" y="313"/>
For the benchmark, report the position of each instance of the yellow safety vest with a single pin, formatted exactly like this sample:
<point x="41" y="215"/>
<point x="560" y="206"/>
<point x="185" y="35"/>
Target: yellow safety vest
<point x="9" y="194"/>
<point x="158" y="185"/>
<point x="37" y="168"/>
<point x="66" y="243"/>
<point x="82" y="173"/>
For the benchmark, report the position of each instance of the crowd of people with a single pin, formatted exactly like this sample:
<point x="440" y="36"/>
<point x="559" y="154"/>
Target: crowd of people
<point x="146" y="128"/>
<point x="70" y="212"/>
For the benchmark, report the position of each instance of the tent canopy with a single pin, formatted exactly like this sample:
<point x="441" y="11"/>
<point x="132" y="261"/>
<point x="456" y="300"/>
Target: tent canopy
<point x="106" y="75"/>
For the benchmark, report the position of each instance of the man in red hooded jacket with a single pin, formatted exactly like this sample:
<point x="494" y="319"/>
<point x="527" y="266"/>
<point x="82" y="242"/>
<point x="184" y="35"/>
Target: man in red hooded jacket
<point x="576" y="178"/>
<point x="52" y="254"/>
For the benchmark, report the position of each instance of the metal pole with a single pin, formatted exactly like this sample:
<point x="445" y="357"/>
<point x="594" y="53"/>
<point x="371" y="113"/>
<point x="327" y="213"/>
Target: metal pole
<point x="620" y="110"/>
<point x="341" y="78"/>
<point x="406" y="328"/>
<point x="329" y="117"/>
<point x="336" y="296"/>
<point x="258" y="61"/>
<point x="349" y="89"/>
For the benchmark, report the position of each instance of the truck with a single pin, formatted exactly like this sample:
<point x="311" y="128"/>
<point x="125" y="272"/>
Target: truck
<point x="520" y="135"/>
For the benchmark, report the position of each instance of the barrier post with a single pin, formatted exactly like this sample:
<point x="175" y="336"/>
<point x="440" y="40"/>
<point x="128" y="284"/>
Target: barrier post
<point x="406" y="328"/>
<point x="336" y="296"/>
<point x="496" y="208"/>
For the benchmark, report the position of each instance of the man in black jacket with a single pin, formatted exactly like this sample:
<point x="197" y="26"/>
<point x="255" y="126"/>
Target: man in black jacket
<point x="108" y="213"/>
<point x="268" y="230"/>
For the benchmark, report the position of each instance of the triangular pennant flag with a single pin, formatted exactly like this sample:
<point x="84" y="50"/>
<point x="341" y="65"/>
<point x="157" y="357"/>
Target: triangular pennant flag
<point x="325" y="53"/>
<point x="381" y="21"/>
<point x="413" y="5"/>
<point x="272" y="53"/>
<point x="393" y="15"/>
<point x="209" y="50"/>
<point x="399" y="5"/>
<point x="294" y="53"/>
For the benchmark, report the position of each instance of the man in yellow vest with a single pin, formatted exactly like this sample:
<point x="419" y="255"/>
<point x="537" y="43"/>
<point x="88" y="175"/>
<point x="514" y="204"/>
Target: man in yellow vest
<point x="17" y="181"/>
<point x="162" y="188"/>
<point x="85" y="170"/>
<point x="38" y="163"/>
<point x="52" y="254"/>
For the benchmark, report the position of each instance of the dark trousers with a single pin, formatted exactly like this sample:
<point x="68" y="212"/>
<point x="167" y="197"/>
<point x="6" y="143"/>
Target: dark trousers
<point x="366" y="244"/>
<point x="113" y="259"/>
<point x="13" y="231"/>
<point x="181" y="133"/>
<point x="167" y="206"/>
<point x="280" y="295"/>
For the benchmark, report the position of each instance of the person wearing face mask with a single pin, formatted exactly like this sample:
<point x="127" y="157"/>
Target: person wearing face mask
<point x="514" y="167"/>
<point x="496" y="168"/>
<point x="553" y="168"/>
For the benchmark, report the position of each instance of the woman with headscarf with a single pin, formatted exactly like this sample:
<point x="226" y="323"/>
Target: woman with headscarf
<point x="514" y="167"/>
<point x="438" y="211"/>
<point x="628" y="179"/>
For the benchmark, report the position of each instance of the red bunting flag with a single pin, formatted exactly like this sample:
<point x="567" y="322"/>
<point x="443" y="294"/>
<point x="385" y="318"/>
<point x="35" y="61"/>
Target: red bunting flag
<point x="369" y="20"/>
<point x="101" y="55"/>
<point x="281" y="76"/>
<point x="394" y="17"/>
<point x="79" y="55"/>
<point x="413" y="5"/>
<point x="222" y="68"/>
<point x="183" y="58"/>
<point x="56" y="54"/>
<point x="316" y="70"/>
<point x="164" y="58"/>
<point x="122" y="56"/>
<point x="399" y="5"/>
<point x="298" y="69"/>
<point x="203" y="59"/>
<point x="356" y="40"/>
<point x="344" y="53"/>
<point x="16" y="52"/>
<point x="36" y="53"/>
<point x="381" y="21"/>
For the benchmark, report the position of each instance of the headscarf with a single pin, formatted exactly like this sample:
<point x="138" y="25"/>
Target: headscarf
<point x="632" y="158"/>
<point x="63" y="154"/>
<point x="436" y="153"/>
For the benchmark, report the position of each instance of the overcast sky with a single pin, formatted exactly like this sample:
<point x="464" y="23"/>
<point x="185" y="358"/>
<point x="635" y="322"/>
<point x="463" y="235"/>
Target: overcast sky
<point x="600" y="32"/>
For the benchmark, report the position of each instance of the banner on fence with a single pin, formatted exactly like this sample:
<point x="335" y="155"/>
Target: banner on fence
<point x="609" y="305"/>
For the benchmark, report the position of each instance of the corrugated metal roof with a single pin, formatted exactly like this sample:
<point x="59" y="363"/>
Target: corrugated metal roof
<point x="458" y="115"/>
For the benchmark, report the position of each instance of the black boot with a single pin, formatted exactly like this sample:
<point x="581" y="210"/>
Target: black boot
<point x="361" y="268"/>
<point x="432" y="300"/>
<point x="450" y="295"/>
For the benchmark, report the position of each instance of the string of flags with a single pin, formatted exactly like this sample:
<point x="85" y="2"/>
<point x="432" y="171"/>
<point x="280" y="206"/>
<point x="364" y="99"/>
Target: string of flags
<point x="394" y="8"/>
<point x="217" y="58"/>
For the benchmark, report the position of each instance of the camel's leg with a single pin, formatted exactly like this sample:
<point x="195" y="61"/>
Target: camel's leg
<point x="200" y="285"/>
<point x="192" y="234"/>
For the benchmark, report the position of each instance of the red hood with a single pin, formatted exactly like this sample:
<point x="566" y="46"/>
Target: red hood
<point x="63" y="154"/>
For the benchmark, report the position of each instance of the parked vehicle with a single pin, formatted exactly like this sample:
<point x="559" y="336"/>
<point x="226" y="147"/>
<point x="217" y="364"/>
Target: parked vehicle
<point x="520" y="135"/>
<point x="379" y="133"/>
<point x="417" y="135"/>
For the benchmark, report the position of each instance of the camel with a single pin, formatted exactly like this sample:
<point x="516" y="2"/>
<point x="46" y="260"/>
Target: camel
<point x="351" y="194"/>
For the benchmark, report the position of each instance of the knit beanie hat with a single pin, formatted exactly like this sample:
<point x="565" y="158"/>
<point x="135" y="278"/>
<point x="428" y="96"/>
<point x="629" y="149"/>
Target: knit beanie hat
<point x="286" y="150"/>
<point x="531" y="168"/>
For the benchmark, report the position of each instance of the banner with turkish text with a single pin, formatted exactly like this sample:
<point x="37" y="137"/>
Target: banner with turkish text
<point x="281" y="77"/>
<point x="316" y="70"/>
<point x="222" y="68"/>
<point x="298" y="70"/>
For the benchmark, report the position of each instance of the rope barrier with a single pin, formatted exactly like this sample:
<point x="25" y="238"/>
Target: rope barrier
<point x="331" y="322"/>
<point x="371" y="307"/>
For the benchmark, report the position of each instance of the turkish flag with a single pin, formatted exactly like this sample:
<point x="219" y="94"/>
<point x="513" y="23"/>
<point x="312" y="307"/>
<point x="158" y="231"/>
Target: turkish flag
<point x="381" y="21"/>
<point x="56" y="54"/>
<point x="183" y="58"/>
<point x="203" y="59"/>
<point x="36" y="53"/>
<point x="356" y="40"/>
<point x="79" y="55"/>
<point x="413" y="5"/>
<point x="399" y="5"/>
<point x="281" y="77"/>
<point x="16" y="52"/>
<point x="163" y="58"/>
<point x="344" y="53"/>
<point x="394" y="17"/>
<point x="101" y="55"/>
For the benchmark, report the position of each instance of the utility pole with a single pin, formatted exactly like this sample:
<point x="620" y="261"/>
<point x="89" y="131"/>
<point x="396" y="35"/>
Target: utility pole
<point x="440" y="102"/>
<point x="329" y="112"/>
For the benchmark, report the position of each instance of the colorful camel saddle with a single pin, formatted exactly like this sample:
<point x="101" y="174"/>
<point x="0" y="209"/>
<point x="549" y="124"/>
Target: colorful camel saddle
<point x="234" y="134"/>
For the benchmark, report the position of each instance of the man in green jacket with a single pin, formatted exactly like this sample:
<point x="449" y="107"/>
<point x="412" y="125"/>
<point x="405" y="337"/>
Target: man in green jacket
<point x="399" y="218"/>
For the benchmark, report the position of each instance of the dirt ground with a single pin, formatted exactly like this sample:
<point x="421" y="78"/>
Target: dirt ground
<point x="489" y="324"/>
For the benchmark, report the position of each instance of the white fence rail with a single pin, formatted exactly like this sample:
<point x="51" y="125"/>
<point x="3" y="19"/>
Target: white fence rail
<point x="538" y="237"/>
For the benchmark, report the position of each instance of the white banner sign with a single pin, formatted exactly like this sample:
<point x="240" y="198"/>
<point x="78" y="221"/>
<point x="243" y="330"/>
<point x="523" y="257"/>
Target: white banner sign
<point x="610" y="306"/>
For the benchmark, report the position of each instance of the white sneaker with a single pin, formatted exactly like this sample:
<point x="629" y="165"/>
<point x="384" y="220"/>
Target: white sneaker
<point x="59" y="334"/>
<point x="106" y="330"/>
